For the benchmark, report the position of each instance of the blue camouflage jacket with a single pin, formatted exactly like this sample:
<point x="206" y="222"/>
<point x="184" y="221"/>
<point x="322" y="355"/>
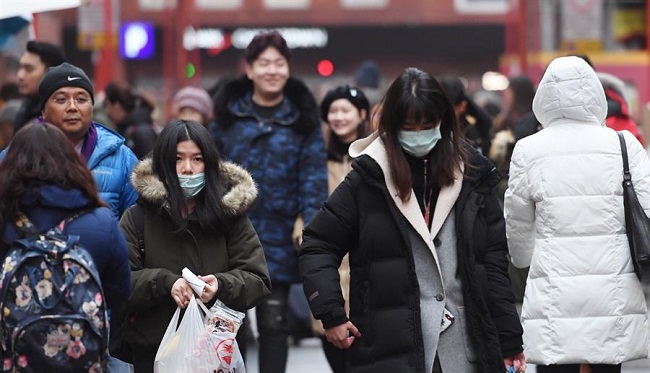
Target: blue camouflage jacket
<point x="286" y="157"/>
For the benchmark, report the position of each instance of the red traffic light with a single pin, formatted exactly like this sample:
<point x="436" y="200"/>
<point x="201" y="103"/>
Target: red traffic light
<point x="325" y="68"/>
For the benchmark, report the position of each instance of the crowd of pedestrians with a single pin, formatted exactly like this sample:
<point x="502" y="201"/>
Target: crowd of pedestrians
<point x="400" y="213"/>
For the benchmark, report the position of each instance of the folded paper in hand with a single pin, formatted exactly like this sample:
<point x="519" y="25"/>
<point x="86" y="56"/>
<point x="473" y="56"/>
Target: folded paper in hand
<point x="197" y="284"/>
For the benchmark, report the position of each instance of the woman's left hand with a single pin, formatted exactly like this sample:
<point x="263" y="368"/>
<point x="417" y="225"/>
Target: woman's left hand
<point x="518" y="362"/>
<point x="211" y="288"/>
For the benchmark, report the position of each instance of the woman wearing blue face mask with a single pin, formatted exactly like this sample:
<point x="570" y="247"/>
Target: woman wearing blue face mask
<point x="420" y="219"/>
<point x="191" y="213"/>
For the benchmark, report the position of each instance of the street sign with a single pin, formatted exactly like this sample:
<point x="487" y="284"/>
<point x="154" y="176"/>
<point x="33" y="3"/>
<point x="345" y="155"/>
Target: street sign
<point x="582" y="25"/>
<point x="90" y="24"/>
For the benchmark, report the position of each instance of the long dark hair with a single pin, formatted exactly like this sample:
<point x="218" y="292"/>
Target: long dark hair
<point x="41" y="154"/>
<point x="418" y="97"/>
<point x="209" y="205"/>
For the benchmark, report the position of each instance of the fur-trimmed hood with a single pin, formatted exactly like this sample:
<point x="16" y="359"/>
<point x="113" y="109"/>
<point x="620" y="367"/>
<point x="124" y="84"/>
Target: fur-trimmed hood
<point x="239" y="197"/>
<point x="295" y="91"/>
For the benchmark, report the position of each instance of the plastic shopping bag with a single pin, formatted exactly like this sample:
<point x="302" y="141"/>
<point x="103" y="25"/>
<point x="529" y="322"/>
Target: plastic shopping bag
<point x="189" y="347"/>
<point x="223" y="323"/>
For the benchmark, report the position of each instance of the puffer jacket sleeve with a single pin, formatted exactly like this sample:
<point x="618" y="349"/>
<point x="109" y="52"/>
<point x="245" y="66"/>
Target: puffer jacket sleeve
<point x="640" y="170"/>
<point x="501" y="298"/>
<point x="248" y="282"/>
<point x="150" y="286"/>
<point x="519" y="210"/>
<point x="325" y="241"/>
<point x="313" y="174"/>
<point x="128" y="196"/>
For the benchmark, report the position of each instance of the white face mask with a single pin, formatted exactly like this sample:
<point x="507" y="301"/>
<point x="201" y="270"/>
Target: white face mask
<point x="419" y="143"/>
<point x="192" y="184"/>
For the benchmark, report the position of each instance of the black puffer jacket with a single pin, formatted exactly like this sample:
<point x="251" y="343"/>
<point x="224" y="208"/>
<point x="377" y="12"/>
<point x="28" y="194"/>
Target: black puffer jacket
<point x="361" y="215"/>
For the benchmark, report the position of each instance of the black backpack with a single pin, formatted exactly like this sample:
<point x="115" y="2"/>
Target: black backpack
<point x="54" y="316"/>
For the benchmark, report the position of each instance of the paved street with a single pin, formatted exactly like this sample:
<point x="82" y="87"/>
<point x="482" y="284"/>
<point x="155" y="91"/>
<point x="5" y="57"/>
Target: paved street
<point x="308" y="357"/>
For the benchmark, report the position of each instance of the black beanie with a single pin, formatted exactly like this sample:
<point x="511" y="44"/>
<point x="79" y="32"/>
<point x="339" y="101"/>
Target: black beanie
<point x="352" y="94"/>
<point x="63" y="75"/>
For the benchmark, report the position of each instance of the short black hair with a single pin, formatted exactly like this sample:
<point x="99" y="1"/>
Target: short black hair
<point x="453" y="87"/>
<point x="50" y="54"/>
<point x="263" y="41"/>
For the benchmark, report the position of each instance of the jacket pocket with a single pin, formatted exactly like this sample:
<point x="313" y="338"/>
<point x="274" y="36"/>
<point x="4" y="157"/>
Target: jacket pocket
<point x="470" y="353"/>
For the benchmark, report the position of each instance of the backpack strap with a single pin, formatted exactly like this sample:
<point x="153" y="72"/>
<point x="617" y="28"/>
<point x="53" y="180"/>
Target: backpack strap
<point x="138" y="219"/>
<point x="73" y="216"/>
<point x="25" y="226"/>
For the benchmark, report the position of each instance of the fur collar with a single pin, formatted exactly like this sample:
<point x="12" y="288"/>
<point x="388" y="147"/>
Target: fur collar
<point x="237" y="200"/>
<point x="295" y="90"/>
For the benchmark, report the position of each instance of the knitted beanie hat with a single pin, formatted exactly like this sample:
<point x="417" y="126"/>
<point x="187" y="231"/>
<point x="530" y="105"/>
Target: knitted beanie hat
<point x="195" y="98"/>
<point x="63" y="75"/>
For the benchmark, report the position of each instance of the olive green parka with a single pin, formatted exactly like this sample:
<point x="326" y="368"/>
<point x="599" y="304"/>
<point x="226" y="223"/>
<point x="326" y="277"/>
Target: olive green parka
<point x="235" y="257"/>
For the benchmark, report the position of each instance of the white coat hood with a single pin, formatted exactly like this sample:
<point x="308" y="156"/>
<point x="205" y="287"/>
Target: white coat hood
<point x="559" y="98"/>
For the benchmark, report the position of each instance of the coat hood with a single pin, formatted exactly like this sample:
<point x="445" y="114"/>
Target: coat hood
<point x="240" y="196"/>
<point x="570" y="91"/>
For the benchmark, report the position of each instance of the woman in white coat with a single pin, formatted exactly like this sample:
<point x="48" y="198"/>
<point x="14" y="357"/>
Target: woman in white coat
<point x="584" y="307"/>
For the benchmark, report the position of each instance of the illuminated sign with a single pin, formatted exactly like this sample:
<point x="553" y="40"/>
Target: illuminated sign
<point x="203" y="38"/>
<point x="295" y="37"/>
<point x="215" y="38"/>
<point x="137" y="40"/>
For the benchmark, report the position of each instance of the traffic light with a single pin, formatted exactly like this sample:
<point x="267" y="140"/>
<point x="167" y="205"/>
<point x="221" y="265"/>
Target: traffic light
<point x="190" y="70"/>
<point x="325" y="68"/>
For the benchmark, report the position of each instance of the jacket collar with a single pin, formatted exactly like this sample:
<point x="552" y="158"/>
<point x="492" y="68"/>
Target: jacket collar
<point x="286" y="115"/>
<point x="373" y="146"/>
<point x="236" y="200"/>
<point x="107" y="143"/>
<point x="233" y="90"/>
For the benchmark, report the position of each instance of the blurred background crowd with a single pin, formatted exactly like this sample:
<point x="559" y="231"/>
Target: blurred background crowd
<point x="150" y="49"/>
<point x="154" y="60"/>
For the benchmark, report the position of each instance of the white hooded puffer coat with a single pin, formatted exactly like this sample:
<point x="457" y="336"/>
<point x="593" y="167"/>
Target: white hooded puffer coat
<point x="565" y="219"/>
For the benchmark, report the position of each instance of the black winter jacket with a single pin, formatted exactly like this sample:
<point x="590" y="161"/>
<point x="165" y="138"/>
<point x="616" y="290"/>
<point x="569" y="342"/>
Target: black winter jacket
<point x="361" y="215"/>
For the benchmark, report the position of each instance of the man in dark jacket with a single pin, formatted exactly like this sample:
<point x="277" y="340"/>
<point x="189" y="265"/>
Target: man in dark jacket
<point x="33" y="63"/>
<point x="268" y="122"/>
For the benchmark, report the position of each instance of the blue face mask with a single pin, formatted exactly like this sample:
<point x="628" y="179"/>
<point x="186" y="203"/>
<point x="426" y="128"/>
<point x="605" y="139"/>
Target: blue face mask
<point x="192" y="184"/>
<point x="419" y="143"/>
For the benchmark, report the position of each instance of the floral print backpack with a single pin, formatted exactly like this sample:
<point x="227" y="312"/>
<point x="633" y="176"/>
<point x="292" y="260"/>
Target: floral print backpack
<point x="54" y="318"/>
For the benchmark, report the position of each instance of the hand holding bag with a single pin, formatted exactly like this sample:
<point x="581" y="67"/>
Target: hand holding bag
<point x="188" y="348"/>
<point x="637" y="224"/>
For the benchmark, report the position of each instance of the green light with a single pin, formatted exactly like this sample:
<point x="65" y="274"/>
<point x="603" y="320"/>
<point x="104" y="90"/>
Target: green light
<point x="190" y="70"/>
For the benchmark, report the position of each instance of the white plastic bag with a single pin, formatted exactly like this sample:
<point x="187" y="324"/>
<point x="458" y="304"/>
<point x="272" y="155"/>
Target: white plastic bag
<point x="189" y="348"/>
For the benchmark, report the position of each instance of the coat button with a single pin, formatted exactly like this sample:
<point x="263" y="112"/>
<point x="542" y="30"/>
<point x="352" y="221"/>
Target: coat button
<point x="436" y="242"/>
<point x="440" y="297"/>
